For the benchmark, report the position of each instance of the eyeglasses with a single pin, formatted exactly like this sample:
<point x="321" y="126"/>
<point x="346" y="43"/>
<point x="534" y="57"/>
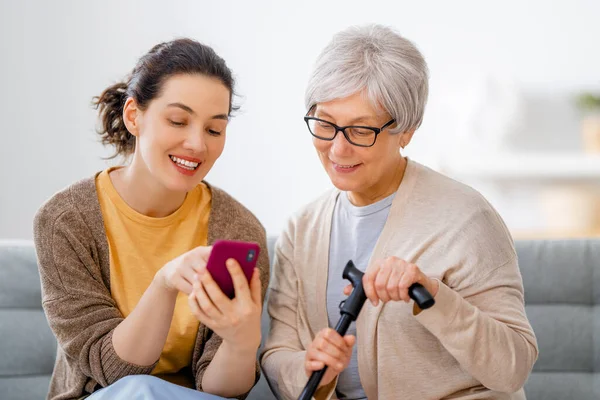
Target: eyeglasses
<point x="363" y="136"/>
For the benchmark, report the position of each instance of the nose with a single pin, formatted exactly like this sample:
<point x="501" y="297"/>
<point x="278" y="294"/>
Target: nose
<point x="340" y="146"/>
<point x="195" y="142"/>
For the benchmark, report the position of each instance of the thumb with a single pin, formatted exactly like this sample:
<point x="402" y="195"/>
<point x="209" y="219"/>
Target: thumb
<point x="200" y="252"/>
<point x="348" y="290"/>
<point x="203" y="250"/>
<point x="198" y="257"/>
<point x="255" y="287"/>
<point x="350" y="340"/>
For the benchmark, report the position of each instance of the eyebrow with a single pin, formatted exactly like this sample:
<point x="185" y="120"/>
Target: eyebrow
<point x="354" y="121"/>
<point x="189" y="110"/>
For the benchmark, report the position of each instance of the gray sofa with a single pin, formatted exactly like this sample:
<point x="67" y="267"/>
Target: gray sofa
<point x="562" y="291"/>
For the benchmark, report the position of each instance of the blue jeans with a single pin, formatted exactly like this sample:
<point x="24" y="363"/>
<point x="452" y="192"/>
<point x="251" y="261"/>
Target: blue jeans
<point x="148" y="387"/>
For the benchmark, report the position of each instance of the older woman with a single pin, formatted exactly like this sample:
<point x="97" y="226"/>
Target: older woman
<point x="402" y="223"/>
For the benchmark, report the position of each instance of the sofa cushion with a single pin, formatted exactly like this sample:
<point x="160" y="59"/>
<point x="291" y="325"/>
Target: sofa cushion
<point x="27" y="345"/>
<point x="562" y="297"/>
<point x="19" y="276"/>
<point x="24" y="387"/>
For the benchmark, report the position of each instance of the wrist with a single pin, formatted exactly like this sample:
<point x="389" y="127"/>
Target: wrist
<point x="160" y="283"/>
<point x="240" y="349"/>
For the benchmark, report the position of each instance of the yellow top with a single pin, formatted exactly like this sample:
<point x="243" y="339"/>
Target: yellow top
<point x="139" y="246"/>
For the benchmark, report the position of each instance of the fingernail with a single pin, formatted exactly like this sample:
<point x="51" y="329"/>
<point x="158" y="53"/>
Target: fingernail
<point x="229" y="263"/>
<point x="195" y="277"/>
<point x="340" y="366"/>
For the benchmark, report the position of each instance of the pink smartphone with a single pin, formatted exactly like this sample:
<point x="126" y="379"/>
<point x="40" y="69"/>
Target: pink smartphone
<point x="246" y="254"/>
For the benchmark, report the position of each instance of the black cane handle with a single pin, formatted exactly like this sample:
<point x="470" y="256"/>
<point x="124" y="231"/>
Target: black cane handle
<point x="421" y="296"/>
<point x="350" y="309"/>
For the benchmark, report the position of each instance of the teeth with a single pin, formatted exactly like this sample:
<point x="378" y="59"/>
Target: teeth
<point x="184" y="163"/>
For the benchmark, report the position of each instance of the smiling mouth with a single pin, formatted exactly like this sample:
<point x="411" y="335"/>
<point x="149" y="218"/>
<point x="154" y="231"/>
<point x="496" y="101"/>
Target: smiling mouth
<point x="189" y="165"/>
<point x="345" y="166"/>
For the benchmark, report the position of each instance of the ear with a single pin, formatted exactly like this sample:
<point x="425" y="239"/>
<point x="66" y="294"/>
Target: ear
<point x="131" y="114"/>
<point x="406" y="137"/>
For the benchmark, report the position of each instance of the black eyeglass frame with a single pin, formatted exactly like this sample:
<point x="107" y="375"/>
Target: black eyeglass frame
<point x="337" y="128"/>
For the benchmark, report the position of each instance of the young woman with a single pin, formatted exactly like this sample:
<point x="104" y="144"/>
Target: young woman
<point x="122" y="254"/>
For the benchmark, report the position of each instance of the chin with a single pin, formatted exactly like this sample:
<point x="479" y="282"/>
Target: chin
<point x="179" y="187"/>
<point x="174" y="181"/>
<point x="345" y="184"/>
<point x="177" y="184"/>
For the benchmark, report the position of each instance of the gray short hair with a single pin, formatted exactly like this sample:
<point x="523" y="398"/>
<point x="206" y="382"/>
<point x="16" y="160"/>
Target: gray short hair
<point x="374" y="58"/>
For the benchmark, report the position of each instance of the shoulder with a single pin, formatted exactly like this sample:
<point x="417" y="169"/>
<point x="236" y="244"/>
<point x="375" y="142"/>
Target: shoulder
<point x="437" y="185"/>
<point x="315" y="211"/>
<point x="450" y="200"/>
<point x="228" y="213"/>
<point x="307" y="223"/>
<point x="62" y="233"/>
<point x="65" y="204"/>
<point x="462" y="219"/>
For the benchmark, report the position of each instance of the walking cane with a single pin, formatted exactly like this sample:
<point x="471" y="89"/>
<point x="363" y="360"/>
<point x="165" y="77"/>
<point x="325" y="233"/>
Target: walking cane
<point x="349" y="310"/>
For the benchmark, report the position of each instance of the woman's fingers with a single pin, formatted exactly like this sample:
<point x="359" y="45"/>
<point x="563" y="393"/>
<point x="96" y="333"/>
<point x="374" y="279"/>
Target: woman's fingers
<point x="332" y="362"/>
<point x="206" y="304"/>
<point x="369" y="282"/>
<point x="334" y="338"/>
<point x="240" y="283"/>
<point x="390" y="280"/>
<point x="331" y="344"/>
<point x="381" y="281"/>
<point x="196" y="310"/>
<point x="329" y="349"/>
<point x="221" y="302"/>
<point x="314" y="365"/>
<point x="322" y="345"/>
<point x="350" y="341"/>
<point x="348" y="290"/>
<point x="392" y="284"/>
<point x="198" y="257"/>
<point x="411" y="275"/>
<point x="256" y="288"/>
<point x="183" y="284"/>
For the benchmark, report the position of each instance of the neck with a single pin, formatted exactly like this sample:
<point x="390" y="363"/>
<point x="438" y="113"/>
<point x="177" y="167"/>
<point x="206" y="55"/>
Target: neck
<point x="139" y="190"/>
<point x="386" y="186"/>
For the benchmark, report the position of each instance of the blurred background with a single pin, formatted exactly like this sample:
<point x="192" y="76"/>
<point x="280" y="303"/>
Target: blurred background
<point x="514" y="106"/>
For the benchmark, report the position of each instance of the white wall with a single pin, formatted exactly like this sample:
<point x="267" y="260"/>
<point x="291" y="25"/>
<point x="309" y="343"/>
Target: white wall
<point x="56" y="55"/>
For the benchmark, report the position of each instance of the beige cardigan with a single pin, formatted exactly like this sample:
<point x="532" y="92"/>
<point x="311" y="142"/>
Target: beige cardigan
<point x="475" y="343"/>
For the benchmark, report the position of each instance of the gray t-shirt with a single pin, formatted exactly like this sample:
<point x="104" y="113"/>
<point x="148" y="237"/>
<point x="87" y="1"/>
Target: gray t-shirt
<point x="354" y="233"/>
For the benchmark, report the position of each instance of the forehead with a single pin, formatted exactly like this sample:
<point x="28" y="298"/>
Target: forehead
<point x="199" y="92"/>
<point x="353" y="106"/>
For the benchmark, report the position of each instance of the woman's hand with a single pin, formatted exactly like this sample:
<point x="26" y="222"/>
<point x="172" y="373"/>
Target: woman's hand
<point x="178" y="274"/>
<point x="329" y="349"/>
<point x="389" y="279"/>
<point x="237" y="320"/>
